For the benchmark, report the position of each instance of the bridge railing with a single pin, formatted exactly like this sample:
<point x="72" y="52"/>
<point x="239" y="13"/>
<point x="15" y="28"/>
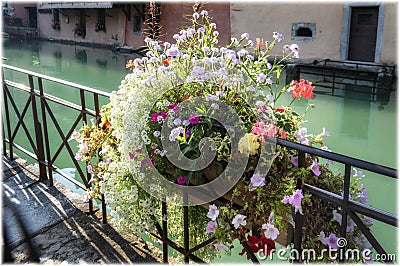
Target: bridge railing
<point x="38" y="101"/>
<point x="43" y="116"/>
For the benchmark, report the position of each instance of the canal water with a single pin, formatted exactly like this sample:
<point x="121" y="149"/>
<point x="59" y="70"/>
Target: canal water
<point x="359" y="127"/>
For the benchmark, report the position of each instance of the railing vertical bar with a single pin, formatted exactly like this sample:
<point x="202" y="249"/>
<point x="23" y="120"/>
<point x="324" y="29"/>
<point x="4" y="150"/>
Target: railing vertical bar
<point x="10" y="140"/>
<point x="164" y="229"/>
<point x="299" y="219"/>
<point x="96" y="107"/>
<point x="98" y="120"/>
<point x="38" y="132"/>
<point x="46" y="133"/>
<point x="104" y="209"/>
<point x="186" y="226"/>
<point x="3" y="137"/>
<point x="346" y="196"/>
<point x="84" y="119"/>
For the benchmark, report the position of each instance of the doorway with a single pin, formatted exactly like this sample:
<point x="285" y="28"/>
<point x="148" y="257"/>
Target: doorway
<point x="363" y="33"/>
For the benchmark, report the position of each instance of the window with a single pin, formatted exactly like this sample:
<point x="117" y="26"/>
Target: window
<point x="55" y="22"/>
<point x="101" y="20"/>
<point x="303" y="31"/>
<point x="137" y="23"/>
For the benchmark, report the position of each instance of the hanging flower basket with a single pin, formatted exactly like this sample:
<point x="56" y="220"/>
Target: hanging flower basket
<point x="194" y="113"/>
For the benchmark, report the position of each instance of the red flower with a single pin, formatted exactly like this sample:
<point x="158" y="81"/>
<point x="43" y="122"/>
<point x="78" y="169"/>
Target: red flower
<point x="280" y="110"/>
<point x="256" y="244"/>
<point x="301" y="89"/>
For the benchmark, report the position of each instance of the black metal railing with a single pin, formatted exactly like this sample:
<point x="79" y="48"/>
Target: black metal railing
<point x="361" y="77"/>
<point x="42" y="152"/>
<point x="46" y="159"/>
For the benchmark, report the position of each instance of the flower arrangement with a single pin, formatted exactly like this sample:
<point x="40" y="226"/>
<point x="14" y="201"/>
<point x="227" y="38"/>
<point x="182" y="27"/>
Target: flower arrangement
<point x="231" y="94"/>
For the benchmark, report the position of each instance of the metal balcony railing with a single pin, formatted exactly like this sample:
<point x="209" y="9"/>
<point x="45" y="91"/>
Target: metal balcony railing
<point x="38" y="101"/>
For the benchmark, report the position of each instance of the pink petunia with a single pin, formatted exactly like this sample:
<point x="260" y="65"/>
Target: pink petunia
<point x="181" y="180"/>
<point x="154" y="117"/>
<point x="194" y="119"/>
<point x="146" y="160"/>
<point x="294" y="160"/>
<point x="257" y="180"/>
<point x="315" y="168"/>
<point x="211" y="227"/>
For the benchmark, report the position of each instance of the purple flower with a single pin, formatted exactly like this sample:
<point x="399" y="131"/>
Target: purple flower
<point x="257" y="180"/>
<point x="294" y="47"/>
<point x="85" y="197"/>
<point x="175" y="133"/>
<point x="251" y="88"/>
<point x="186" y="123"/>
<point x="331" y="241"/>
<point x="211" y="227"/>
<point x="337" y="216"/>
<point x="146" y="160"/>
<point x="83" y="147"/>
<point x="156" y="133"/>
<point x="215" y="106"/>
<point x="294" y="200"/>
<point x="74" y="134"/>
<point x="89" y="169"/>
<point x="78" y="156"/>
<point x="173" y="107"/>
<point x="296" y="197"/>
<point x="204" y="12"/>
<point x="196" y="15"/>
<point x="294" y="160"/>
<point x="154" y="117"/>
<point x="271" y="231"/>
<point x="181" y="179"/>
<point x="268" y="81"/>
<point x="245" y="35"/>
<point x="363" y="197"/>
<point x="325" y="133"/>
<point x="210" y="97"/>
<point x="315" y="168"/>
<point x="132" y="156"/>
<point x="286" y="200"/>
<point x="286" y="47"/>
<point x="194" y="119"/>
<point x="164" y="115"/>
<point x="261" y="77"/>
<point x="238" y="220"/>
<point x="212" y="212"/>
<point x="278" y="36"/>
<point x="108" y="160"/>
<point x="219" y="247"/>
<point x="357" y="173"/>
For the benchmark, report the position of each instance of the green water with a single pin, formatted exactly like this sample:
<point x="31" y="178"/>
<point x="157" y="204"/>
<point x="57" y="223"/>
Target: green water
<point x="359" y="127"/>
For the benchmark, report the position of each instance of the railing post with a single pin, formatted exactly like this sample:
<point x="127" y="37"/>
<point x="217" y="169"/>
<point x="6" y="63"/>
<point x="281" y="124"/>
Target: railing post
<point x="186" y="226"/>
<point x="346" y="196"/>
<point x="38" y="132"/>
<point x="10" y="141"/>
<point x="84" y="118"/>
<point x="46" y="133"/>
<point x="299" y="219"/>
<point x="165" y="229"/>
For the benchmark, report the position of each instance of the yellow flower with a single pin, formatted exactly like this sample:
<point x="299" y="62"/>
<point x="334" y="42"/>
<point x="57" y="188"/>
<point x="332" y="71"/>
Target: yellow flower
<point x="249" y="144"/>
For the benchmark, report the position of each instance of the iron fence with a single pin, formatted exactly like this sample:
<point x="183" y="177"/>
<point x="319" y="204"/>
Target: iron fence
<point x="46" y="159"/>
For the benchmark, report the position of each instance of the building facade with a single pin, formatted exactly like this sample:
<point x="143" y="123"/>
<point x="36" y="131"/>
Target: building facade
<point x="122" y="24"/>
<point x="359" y="31"/>
<point x="355" y="31"/>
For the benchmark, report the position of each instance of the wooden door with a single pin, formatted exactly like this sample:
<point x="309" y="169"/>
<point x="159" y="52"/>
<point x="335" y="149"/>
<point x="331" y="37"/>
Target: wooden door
<point x="363" y="32"/>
